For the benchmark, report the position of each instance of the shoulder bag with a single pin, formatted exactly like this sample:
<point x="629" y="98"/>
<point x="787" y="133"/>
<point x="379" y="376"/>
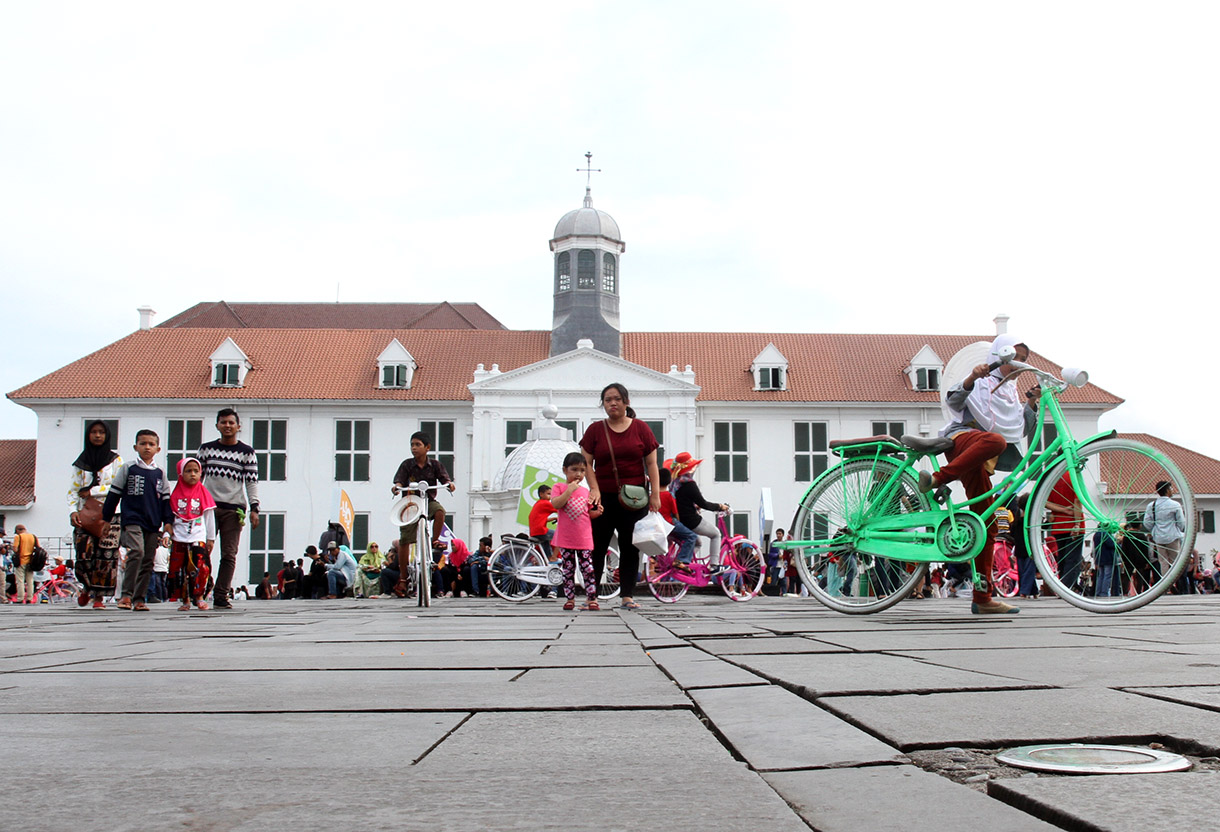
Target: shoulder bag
<point x="634" y="497"/>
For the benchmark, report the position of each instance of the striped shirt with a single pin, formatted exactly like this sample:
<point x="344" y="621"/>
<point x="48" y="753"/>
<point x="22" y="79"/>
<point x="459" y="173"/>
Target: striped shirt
<point x="231" y="474"/>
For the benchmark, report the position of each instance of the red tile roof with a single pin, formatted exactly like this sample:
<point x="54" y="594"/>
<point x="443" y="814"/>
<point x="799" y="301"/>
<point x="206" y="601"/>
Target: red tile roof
<point x="1202" y="472"/>
<point x="226" y="315"/>
<point x="17" y="458"/>
<point x="821" y="367"/>
<point x="339" y="364"/>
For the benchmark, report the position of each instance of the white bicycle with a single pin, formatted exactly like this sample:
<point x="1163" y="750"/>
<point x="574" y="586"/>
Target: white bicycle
<point x="418" y="574"/>
<point x="517" y="569"/>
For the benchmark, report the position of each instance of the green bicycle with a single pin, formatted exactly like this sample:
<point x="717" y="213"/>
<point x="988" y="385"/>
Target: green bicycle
<point x="865" y="534"/>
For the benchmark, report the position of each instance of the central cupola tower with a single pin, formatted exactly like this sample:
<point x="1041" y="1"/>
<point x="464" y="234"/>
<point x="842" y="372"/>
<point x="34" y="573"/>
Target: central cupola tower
<point x="587" y="247"/>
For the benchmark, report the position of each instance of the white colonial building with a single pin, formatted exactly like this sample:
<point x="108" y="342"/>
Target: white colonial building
<point x="329" y="395"/>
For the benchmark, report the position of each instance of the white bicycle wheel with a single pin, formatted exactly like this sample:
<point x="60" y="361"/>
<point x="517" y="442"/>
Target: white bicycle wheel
<point x="504" y="570"/>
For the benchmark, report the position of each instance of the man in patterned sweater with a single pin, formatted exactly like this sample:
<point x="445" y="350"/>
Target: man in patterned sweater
<point x="230" y="471"/>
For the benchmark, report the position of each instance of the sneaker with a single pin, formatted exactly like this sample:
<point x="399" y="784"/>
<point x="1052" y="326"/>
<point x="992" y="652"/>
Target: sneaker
<point x="99" y="604"/>
<point x="82" y="599"/>
<point x="221" y="605"/>
<point x="993" y="607"/>
<point x="926" y="483"/>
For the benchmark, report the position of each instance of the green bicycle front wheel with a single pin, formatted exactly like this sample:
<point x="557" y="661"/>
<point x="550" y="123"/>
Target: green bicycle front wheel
<point x="832" y="569"/>
<point x="1120" y="476"/>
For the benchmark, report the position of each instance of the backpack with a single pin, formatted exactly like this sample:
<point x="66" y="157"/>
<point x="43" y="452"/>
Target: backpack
<point x="38" y="558"/>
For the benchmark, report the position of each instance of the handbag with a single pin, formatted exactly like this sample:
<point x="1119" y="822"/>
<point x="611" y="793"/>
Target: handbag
<point x="90" y="519"/>
<point x="634" y="497"/>
<point x="651" y="535"/>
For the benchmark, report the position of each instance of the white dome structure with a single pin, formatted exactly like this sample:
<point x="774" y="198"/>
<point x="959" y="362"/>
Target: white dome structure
<point x="544" y="448"/>
<point x="587" y="222"/>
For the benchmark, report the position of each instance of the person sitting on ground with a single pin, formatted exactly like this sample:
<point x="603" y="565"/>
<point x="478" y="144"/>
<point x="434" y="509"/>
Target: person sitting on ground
<point x="475" y="568"/>
<point x="265" y="591"/>
<point x="316" y="584"/>
<point x="368" y="576"/>
<point x="690" y="499"/>
<point x="451" y="572"/>
<point x="389" y="570"/>
<point x="341" y="572"/>
<point x="988" y="415"/>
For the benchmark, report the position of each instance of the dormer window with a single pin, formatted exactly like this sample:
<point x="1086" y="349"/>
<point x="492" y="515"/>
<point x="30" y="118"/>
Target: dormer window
<point x="229" y="365"/>
<point x="227" y="375"/>
<point x="925" y="370"/>
<point x="396" y="367"/>
<point x="770" y="369"/>
<point x="395" y="375"/>
<point x="770" y="378"/>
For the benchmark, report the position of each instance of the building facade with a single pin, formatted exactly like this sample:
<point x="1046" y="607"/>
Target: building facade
<point x="329" y="395"/>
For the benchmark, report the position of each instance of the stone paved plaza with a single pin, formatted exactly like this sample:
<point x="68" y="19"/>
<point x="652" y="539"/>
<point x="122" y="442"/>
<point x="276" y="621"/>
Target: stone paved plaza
<point x="707" y="715"/>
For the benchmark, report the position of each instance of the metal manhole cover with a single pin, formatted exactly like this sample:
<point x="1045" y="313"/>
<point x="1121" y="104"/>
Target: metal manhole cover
<point x="1078" y="758"/>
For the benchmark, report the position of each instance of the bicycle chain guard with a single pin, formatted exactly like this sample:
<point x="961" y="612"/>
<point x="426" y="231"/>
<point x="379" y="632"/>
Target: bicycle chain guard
<point x="963" y="542"/>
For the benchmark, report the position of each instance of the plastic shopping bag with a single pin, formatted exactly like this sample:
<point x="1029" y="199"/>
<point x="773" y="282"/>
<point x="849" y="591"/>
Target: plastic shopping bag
<point x="651" y="535"/>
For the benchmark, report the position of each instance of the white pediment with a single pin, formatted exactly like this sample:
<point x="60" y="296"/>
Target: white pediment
<point x="229" y="353"/>
<point x="769" y="357"/>
<point x="582" y="370"/>
<point x="395" y="353"/>
<point x="926" y="357"/>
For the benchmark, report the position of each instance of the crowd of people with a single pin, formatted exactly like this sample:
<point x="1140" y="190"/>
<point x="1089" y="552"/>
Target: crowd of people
<point x="138" y="540"/>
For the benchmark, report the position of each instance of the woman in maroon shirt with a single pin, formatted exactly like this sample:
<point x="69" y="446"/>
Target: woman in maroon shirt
<point x="635" y="457"/>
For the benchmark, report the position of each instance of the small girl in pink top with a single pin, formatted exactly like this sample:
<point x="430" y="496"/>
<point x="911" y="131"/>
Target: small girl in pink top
<point x="574" y="531"/>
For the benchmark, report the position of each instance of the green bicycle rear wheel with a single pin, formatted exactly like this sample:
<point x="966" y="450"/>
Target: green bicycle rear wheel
<point x="1120" y="476"/>
<point x="834" y="571"/>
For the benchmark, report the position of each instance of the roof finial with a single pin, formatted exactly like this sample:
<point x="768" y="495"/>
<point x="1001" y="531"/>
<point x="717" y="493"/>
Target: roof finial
<point x="589" y="170"/>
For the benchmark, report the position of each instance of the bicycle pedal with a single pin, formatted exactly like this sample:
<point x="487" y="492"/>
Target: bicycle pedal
<point x="941" y="495"/>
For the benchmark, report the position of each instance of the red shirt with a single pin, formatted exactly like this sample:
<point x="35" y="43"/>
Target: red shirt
<point x="538" y="517"/>
<point x="1063" y="494"/>
<point x="669" y="508"/>
<point x="630" y="448"/>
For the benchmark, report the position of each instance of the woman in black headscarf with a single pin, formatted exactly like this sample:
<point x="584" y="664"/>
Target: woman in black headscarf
<point x="92" y="473"/>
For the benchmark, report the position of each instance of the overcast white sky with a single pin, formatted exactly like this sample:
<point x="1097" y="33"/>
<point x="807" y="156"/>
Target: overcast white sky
<point x="774" y="166"/>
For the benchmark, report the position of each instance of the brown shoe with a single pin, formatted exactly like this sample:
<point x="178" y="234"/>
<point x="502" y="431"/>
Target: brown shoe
<point x="400" y="589"/>
<point x="123" y="603"/>
<point x="140" y="607"/>
<point x="993" y="607"/>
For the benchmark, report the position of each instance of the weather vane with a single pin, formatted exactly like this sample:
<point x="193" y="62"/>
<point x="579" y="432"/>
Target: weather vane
<point x="588" y="170"/>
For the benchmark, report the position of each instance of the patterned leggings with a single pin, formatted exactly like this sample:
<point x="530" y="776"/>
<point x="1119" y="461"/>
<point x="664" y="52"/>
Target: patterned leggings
<point x="567" y="562"/>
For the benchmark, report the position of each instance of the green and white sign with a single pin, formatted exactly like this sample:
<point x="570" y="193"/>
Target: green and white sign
<point x="534" y="477"/>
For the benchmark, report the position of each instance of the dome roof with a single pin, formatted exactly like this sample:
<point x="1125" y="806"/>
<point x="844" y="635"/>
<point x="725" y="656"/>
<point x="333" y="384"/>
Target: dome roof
<point x="544" y="449"/>
<point x="587" y="222"/>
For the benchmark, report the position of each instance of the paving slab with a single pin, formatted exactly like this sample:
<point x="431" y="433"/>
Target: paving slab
<point x="993" y="719"/>
<point x="773" y="729"/>
<point x="418" y="690"/>
<point x="1200" y="696"/>
<point x="759" y="645"/>
<point x="899" y="798"/>
<point x="693" y="668"/>
<point x="838" y="673"/>
<point x="1077" y="666"/>
<point x="212" y="772"/>
<point x="964" y="638"/>
<point x="693" y="628"/>
<point x="1115" y="803"/>
<point x="645" y="770"/>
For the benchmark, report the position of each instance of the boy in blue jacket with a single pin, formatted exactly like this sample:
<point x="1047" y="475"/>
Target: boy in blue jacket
<point x="141" y="494"/>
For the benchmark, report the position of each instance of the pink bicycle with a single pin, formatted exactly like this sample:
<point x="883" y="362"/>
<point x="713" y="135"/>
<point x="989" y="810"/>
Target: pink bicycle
<point x="1004" y="575"/>
<point x="741" y="580"/>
